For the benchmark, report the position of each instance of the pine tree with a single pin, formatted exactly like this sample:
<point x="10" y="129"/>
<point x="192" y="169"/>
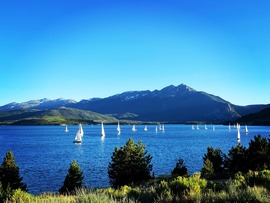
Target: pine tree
<point x="73" y="179"/>
<point x="10" y="175"/>
<point x="258" y="153"/>
<point x="237" y="159"/>
<point x="208" y="169"/>
<point x="130" y="164"/>
<point x="180" y="168"/>
<point x="217" y="157"/>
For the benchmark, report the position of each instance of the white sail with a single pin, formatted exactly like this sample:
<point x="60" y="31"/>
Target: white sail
<point x="198" y="127"/>
<point x="229" y="126"/>
<point x="145" y="128"/>
<point x="66" y="130"/>
<point x="162" y="128"/>
<point x="79" y="135"/>
<point x="102" y="130"/>
<point x="238" y="132"/>
<point x="192" y="127"/>
<point x="156" y="129"/>
<point x="214" y="128"/>
<point x="118" y="128"/>
<point x="246" y="129"/>
<point x="133" y="128"/>
<point x="205" y="127"/>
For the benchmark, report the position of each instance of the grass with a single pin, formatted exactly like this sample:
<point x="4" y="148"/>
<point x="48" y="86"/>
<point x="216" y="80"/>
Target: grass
<point x="180" y="189"/>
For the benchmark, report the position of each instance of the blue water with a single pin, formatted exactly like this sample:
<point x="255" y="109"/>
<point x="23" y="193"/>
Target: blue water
<point x="44" y="153"/>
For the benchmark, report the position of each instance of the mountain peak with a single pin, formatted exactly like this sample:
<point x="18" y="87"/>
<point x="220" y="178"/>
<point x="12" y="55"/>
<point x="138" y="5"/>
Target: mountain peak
<point x="183" y="86"/>
<point x="172" y="91"/>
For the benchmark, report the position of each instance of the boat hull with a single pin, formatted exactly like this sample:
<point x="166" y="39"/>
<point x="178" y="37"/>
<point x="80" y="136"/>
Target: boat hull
<point x="77" y="141"/>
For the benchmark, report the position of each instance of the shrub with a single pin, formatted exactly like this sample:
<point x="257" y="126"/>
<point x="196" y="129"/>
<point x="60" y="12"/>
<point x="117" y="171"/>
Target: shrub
<point x="188" y="187"/>
<point x="22" y="196"/>
<point x="163" y="192"/>
<point x="261" y="178"/>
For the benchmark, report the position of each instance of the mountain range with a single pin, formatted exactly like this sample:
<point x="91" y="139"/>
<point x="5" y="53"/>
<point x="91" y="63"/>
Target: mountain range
<point x="260" y="118"/>
<point x="174" y="104"/>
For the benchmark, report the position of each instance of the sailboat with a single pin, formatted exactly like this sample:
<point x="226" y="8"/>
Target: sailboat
<point x="214" y="128"/>
<point x="205" y="127"/>
<point x="118" y="128"/>
<point x="156" y="129"/>
<point x="198" y="127"/>
<point x="192" y="127"/>
<point x="229" y="126"/>
<point x="246" y="129"/>
<point x="102" y="130"/>
<point x="238" y="132"/>
<point x="79" y="135"/>
<point x="134" y="128"/>
<point x="145" y="128"/>
<point x="162" y="128"/>
<point x="66" y="130"/>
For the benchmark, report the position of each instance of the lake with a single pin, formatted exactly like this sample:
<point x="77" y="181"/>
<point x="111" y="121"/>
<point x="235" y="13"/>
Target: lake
<point x="44" y="153"/>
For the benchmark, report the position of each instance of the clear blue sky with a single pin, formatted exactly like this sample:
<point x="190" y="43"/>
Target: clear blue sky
<point x="82" y="49"/>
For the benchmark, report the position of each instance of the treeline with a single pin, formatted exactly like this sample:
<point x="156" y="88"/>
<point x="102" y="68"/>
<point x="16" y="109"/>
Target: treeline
<point x="242" y="175"/>
<point x="255" y="157"/>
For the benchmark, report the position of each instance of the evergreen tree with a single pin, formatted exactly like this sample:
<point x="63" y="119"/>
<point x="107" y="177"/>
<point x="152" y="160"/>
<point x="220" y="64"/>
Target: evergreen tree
<point x="10" y="175"/>
<point x="258" y="153"/>
<point x="208" y="169"/>
<point x="180" y="168"/>
<point x="130" y="164"/>
<point x="217" y="157"/>
<point x="73" y="179"/>
<point x="237" y="158"/>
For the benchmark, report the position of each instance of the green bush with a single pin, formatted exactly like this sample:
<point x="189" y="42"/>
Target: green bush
<point x="163" y="192"/>
<point x="188" y="187"/>
<point x="22" y="196"/>
<point x="259" y="178"/>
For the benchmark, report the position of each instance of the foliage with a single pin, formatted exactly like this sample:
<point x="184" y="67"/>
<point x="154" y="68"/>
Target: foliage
<point x="180" y="168"/>
<point x="214" y="163"/>
<point x="73" y="179"/>
<point x="208" y="170"/>
<point x="258" y="155"/>
<point x="130" y="164"/>
<point x="188" y="187"/>
<point x="217" y="157"/>
<point x="258" y="178"/>
<point x="84" y="195"/>
<point x="181" y="189"/>
<point x="10" y="176"/>
<point x="237" y="157"/>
